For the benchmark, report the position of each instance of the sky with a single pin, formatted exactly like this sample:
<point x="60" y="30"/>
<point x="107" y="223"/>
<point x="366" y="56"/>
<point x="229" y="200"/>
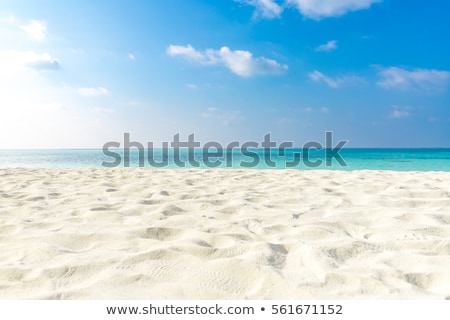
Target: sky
<point x="78" y="74"/>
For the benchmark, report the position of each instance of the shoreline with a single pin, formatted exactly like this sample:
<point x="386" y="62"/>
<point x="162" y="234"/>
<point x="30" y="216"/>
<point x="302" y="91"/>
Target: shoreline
<point x="395" y="159"/>
<point x="222" y="233"/>
<point x="202" y="169"/>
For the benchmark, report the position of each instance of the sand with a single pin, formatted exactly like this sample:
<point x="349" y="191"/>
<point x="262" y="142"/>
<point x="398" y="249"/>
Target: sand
<point x="223" y="234"/>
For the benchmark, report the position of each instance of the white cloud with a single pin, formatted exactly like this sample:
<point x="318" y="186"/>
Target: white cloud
<point x="13" y="61"/>
<point x="35" y="29"/>
<point x="131" y="56"/>
<point x="400" y="112"/>
<point x="319" y="9"/>
<point x="240" y="62"/>
<point x="318" y="76"/>
<point x="265" y="8"/>
<point x="421" y="79"/>
<point x="186" y="51"/>
<point x="44" y="62"/>
<point x="314" y="9"/>
<point x="89" y="92"/>
<point x="327" y="47"/>
<point x="324" y="110"/>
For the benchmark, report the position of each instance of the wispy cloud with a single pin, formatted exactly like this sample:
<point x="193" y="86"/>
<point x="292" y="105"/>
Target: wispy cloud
<point x="319" y="9"/>
<point x="430" y="80"/>
<point x="327" y="47"/>
<point x="225" y="118"/>
<point x="131" y="56"/>
<point x="265" y="8"/>
<point x="400" y="112"/>
<point x="89" y="92"/>
<point x="313" y="9"/>
<point x="240" y="62"/>
<point x="321" y="110"/>
<point x="36" y="29"/>
<point x="192" y="86"/>
<point x="318" y="76"/>
<point x="103" y="110"/>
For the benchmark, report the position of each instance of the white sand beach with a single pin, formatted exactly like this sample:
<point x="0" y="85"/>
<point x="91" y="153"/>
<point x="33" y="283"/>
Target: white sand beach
<point x="223" y="234"/>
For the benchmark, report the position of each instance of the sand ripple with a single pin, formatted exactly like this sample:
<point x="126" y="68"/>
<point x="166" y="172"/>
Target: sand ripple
<point x="223" y="234"/>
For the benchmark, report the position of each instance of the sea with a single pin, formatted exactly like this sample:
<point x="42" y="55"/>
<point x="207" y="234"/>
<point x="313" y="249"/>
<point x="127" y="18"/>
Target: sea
<point x="429" y="159"/>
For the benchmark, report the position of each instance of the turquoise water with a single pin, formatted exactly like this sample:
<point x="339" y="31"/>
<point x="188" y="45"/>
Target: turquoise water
<point x="355" y="159"/>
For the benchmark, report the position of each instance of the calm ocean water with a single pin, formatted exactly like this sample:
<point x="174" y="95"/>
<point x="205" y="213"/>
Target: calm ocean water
<point x="355" y="159"/>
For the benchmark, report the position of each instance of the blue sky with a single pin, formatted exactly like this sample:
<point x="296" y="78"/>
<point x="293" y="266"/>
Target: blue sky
<point x="76" y="74"/>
